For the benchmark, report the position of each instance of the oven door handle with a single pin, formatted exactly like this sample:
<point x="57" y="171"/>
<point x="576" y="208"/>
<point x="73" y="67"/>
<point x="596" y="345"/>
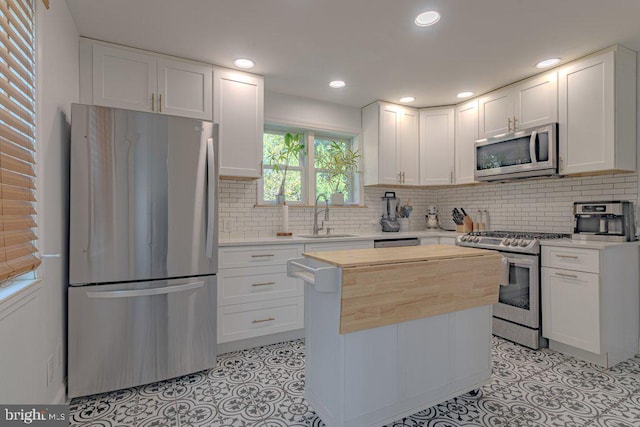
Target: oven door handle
<point x="518" y="262"/>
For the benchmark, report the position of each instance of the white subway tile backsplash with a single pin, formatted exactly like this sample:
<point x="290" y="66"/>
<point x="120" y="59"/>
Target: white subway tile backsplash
<point x="533" y="205"/>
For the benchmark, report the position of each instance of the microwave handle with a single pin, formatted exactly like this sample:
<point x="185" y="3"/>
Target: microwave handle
<point x="532" y="146"/>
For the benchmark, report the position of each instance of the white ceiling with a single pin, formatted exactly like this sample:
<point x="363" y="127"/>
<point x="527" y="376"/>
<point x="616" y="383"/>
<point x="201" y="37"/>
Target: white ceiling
<point x="300" y="45"/>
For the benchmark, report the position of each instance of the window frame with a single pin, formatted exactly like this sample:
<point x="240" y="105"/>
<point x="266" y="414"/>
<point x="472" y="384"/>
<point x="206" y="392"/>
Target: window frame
<point x="302" y="168"/>
<point x="353" y="179"/>
<point x="308" y="165"/>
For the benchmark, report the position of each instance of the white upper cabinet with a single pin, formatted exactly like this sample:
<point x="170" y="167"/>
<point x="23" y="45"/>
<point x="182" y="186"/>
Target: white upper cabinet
<point x="238" y="107"/>
<point x="137" y="80"/>
<point x="535" y="101"/>
<point x="391" y="147"/>
<point x="409" y="147"/>
<point x="465" y="137"/>
<point x="437" y="146"/>
<point x="185" y="89"/>
<point x="530" y="103"/>
<point x="597" y="114"/>
<point x="124" y="79"/>
<point x="495" y="113"/>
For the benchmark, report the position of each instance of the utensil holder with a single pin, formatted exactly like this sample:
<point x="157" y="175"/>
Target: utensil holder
<point x="404" y="224"/>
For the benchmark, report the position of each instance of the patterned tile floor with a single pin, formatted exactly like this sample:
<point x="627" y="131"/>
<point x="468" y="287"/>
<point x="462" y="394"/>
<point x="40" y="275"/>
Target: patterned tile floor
<point x="263" y="387"/>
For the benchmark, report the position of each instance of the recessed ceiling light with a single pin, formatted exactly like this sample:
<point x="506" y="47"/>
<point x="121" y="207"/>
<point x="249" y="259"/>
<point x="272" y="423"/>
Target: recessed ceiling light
<point x="337" y="84"/>
<point x="463" y="95"/>
<point x="407" y="99"/>
<point x="548" y="63"/>
<point x="244" y="63"/>
<point x="427" y="18"/>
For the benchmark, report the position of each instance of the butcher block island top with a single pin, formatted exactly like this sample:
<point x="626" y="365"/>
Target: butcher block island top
<point x="384" y="286"/>
<point x="380" y="256"/>
<point x="392" y="331"/>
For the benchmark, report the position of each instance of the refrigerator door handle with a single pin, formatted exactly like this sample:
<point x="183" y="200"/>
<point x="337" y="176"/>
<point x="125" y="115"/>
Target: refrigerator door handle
<point x="145" y="292"/>
<point x="211" y="197"/>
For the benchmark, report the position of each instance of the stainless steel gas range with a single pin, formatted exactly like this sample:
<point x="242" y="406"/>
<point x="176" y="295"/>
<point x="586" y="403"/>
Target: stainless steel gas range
<point x="516" y="316"/>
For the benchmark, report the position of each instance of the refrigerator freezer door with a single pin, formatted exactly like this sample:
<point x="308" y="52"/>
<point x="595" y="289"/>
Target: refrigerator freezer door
<point x="131" y="334"/>
<point x="141" y="188"/>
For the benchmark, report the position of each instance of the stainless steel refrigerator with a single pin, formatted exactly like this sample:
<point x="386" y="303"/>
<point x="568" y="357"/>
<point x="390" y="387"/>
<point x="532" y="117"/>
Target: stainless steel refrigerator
<point x="142" y="248"/>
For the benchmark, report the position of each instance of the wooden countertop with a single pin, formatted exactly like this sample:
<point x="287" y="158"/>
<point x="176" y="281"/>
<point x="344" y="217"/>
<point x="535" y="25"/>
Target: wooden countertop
<point x="382" y="256"/>
<point x="385" y="286"/>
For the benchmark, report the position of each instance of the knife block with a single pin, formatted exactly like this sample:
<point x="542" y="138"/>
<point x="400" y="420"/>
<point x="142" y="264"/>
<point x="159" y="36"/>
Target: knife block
<point x="467" y="225"/>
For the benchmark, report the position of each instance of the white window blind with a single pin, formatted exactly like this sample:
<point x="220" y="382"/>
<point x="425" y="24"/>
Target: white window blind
<point x="17" y="138"/>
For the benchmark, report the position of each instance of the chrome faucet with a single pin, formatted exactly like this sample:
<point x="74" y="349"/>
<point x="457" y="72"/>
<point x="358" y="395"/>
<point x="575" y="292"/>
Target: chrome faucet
<point x="316" y="229"/>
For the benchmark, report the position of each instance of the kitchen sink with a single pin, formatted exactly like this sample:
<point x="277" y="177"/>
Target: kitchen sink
<point x="325" y="236"/>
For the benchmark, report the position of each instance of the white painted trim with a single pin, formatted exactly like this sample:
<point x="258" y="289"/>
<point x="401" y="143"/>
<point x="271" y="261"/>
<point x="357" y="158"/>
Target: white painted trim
<point x="61" y="395"/>
<point x="15" y="295"/>
<point x="323" y="127"/>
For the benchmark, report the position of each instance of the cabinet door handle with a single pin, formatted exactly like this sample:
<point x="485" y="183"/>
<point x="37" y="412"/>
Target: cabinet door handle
<point x="451" y="177"/>
<point x="567" y="256"/>
<point x="268" y="319"/>
<point x="514" y="122"/>
<point x="572" y="276"/>
<point x="508" y="124"/>
<point x="400" y="177"/>
<point x="153" y="102"/>
<point x="160" y="102"/>
<point x="263" y="256"/>
<point x="263" y="284"/>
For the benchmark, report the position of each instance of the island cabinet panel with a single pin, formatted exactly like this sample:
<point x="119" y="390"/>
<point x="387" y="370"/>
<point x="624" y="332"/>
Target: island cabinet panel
<point x="381" y="295"/>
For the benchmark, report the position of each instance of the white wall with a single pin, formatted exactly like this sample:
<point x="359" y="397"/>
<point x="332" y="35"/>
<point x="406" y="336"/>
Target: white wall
<point x="311" y="113"/>
<point x="35" y="330"/>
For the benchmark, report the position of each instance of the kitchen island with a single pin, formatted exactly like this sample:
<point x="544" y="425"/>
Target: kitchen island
<point x="391" y="331"/>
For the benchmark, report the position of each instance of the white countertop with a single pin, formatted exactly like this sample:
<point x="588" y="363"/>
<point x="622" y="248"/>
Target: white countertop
<point x="272" y="240"/>
<point x="583" y="244"/>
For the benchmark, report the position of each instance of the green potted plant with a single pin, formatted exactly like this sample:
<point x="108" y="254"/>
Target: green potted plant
<point x="338" y="162"/>
<point x="280" y="159"/>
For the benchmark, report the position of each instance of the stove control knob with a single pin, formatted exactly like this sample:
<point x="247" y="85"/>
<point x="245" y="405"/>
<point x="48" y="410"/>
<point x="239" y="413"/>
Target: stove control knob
<point x="476" y="239"/>
<point x="524" y="242"/>
<point x="463" y="238"/>
<point x="506" y="242"/>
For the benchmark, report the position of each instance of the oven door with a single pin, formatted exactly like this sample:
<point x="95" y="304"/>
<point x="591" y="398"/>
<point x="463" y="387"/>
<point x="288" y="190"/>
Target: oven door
<point x="519" y="296"/>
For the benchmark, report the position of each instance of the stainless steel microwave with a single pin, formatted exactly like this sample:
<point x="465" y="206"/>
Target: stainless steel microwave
<point x="523" y="154"/>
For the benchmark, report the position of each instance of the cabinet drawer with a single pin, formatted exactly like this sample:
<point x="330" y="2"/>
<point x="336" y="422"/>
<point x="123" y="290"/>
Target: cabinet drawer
<point x="252" y="256"/>
<point x="252" y="284"/>
<point x="576" y="259"/>
<point x="429" y="241"/>
<point x="240" y="321"/>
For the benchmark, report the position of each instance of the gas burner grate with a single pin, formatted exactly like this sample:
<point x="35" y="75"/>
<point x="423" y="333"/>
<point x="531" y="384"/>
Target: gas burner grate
<point x="519" y="235"/>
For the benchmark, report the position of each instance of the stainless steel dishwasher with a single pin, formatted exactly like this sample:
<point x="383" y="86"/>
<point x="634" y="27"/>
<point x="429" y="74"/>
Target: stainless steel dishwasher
<point x="394" y="243"/>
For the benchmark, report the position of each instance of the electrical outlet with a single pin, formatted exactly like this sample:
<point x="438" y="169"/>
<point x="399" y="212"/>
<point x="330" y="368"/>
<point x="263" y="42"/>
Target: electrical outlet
<point x="226" y="225"/>
<point x="50" y="370"/>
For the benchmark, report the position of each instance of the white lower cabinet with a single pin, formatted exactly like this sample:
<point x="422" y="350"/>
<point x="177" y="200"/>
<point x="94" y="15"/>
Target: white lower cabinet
<point x="571" y="313"/>
<point x="240" y="321"/>
<point x="437" y="240"/>
<point x="255" y="296"/>
<point x="590" y="301"/>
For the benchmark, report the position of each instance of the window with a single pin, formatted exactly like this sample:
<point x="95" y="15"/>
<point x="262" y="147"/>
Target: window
<point x="329" y="154"/>
<point x="17" y="138"/>
<point x="311" y="167"/>
<point x="280" y="157"/>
